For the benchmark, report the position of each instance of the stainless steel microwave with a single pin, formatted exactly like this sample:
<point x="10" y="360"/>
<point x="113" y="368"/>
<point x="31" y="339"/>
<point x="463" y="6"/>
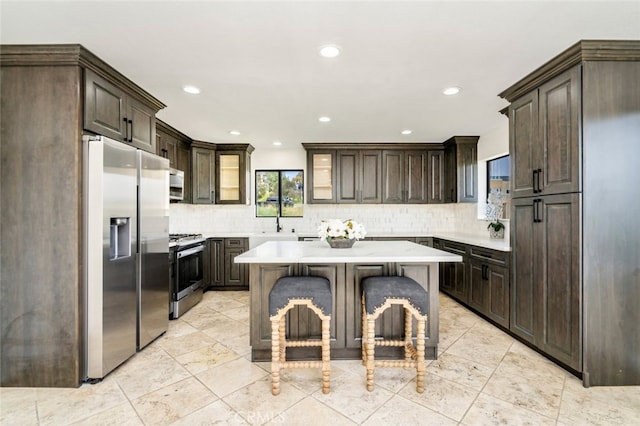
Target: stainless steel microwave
<point x="176" y="185"/>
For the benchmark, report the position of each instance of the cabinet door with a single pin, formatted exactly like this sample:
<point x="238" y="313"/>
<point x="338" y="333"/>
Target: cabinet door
<point x="525" y="261"/>
<point x="497" y="303"/>
<point x="523" y="146"/>
<point x="415" y="177"/>
<point x="234" y="272"/>
<point x="322" y="173"/>
<point x="216" y="262"/>
<point x="184" y="164"/>
<point x="450" y="174"/>
<point x="167" y="147"/>
<point x="559" y="277"/>
<point x="467" y="165"/>
<point x="203" y="162"/>
<point x="354" y="275"/>
<point x="370" y="176"/>
<point x="142" y="125"/>
<point x="348" y="176"/>
<point x="478" y="286"/>
<point x="559" y="123"/>
<point x="435" y="177"/>
<point x="230" y="182"/>
<point x="393" y="177"/>
<point x="105" y="108"/>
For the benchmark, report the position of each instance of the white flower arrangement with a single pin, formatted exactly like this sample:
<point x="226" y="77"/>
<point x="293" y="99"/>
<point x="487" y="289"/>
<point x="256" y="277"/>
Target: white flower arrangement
<point x="495" y="208"/>
<point x="337" y="228"/>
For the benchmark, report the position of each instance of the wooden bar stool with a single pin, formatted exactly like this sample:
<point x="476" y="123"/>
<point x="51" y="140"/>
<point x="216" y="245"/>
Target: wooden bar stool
<point x="288" y="292"/>
<point x="379" y="294"/>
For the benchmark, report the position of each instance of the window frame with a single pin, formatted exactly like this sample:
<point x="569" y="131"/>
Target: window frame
<point x="279" y="207"/>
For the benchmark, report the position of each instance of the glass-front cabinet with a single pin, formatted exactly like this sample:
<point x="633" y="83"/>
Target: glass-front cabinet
<point x="322" y="187"/>
<point x="233" y="168"/>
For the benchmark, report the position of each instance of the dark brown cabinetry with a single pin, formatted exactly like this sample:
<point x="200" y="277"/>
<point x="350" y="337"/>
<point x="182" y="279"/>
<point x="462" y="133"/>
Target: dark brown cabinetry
<point x="489" y="283"/>
<point x="574" y="265"/>
<point x="379" y="173"/>
<point x="454" y="274"/>
<point x="221" y="272"/>
<point x="404" y="176"/>
<point x="203" y="169"/>
<point x="233" y="169"/>
<point x="461" y="169"/>
<point x="436" y="176"/>
<point x="546" y="286"/>
<point x="480" y="281"/>
<point x="111" y="111"/>
<point x="544" y="132"/>
<point x="359" y="176"/>
<point x="43" y="98"/>
<point x="175" y="146"/>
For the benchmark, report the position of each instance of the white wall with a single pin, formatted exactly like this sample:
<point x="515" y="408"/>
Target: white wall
<point x="491" y="145"/>
<point x="400" y="219"/>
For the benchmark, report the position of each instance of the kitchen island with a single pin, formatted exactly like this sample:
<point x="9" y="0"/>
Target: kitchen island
<point x="345" y="269"/>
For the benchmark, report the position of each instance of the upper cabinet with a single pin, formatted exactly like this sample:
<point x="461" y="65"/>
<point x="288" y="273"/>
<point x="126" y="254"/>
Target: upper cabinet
<point x="404" y="176"/>
<point x="321" y="171"/>
<point x="388" y="173"/>
<point x="544" y="131"/>
<point x="111" y="111"/>
<point x="359" y="176"/>
<point x="175" y="146"/>
<point x="233" y="165"/>
<point x="461" y="169"/>
<point x="221" y="174"/>
<point x="203" y="167"/>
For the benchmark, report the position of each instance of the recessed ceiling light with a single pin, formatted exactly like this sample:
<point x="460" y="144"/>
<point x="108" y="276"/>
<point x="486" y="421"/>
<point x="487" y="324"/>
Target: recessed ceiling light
<point x="406" y="132"/>
<point x="451" y="91"/>
<point x="191" y="89"/>
<point x="277" y="143"/>
<point x="234" y="132"/>
<point x="324" y="119"/>
<point x="329" y="51"/>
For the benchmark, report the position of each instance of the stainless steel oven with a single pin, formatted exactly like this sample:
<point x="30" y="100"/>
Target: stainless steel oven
<point x="187" y="273"/>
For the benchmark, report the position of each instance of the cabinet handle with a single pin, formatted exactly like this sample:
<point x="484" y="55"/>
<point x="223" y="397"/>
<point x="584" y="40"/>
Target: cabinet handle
<point x="130" y="130"/>
<point x="536" y="210"/>
<point x="126" y="130"/>
<point x="538" y="183"/>
<point x="213" y="197"/>
<point x="533" y="183"/>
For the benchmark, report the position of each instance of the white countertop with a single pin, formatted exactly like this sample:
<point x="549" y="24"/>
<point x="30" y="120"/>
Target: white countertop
<point x="361" y="252"/>
<point x="475" y="240"/>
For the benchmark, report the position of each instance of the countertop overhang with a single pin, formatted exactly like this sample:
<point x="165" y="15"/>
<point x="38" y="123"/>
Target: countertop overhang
<point x="361" y="252"/>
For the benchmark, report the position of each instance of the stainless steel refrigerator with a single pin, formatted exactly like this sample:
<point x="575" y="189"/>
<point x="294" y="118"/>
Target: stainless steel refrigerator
<point x="127" y="249"/>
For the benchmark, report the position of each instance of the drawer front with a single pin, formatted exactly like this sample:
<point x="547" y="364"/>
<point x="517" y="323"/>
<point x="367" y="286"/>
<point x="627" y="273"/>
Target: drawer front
<point x="453" y="247"/>
<point x="490" y="256"/>
<point x="236" y="242"/>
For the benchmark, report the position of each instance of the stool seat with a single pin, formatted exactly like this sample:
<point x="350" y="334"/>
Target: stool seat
<point x="378" y="289"/>
<point x="379" y="294"/>
<point x="286" y="294"/>
<point x="317" y="289"/>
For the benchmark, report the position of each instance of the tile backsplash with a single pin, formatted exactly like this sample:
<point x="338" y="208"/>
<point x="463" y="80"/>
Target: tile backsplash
<point x="423" y="219"/>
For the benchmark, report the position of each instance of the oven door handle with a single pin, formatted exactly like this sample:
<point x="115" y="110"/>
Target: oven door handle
<point x="190" y="251"/>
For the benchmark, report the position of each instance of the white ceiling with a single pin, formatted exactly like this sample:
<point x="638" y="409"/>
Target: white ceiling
<point x="258" y="67"/>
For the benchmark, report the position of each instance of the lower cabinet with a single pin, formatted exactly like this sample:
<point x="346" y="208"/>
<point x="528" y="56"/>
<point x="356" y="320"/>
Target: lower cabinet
<point x="220" y="272"/>
<point x="480" y="281"/>
<point x="489" y="284"/>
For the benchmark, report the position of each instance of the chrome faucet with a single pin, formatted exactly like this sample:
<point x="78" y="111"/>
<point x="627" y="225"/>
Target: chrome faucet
<point x="278" y="227"/>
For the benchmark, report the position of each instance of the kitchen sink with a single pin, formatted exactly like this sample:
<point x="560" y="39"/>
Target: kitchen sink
<point x="257" y="239"/>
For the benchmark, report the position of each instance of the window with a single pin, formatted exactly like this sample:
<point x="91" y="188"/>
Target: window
<point x="279" y="193"/>
<point x="499" y="179"/>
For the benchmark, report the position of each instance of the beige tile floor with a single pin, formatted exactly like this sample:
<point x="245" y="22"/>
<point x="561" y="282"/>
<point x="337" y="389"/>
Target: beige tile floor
<point x="199" y="373"/>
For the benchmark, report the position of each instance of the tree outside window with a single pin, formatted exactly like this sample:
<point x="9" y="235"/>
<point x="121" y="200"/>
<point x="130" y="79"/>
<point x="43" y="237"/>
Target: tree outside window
<point x="279" y="193"/>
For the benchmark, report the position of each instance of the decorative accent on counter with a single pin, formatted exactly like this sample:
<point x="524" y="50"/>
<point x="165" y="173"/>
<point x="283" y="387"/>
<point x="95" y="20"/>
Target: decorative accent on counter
<point x="495" y="209"/>
<point x="341" y="234"/>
